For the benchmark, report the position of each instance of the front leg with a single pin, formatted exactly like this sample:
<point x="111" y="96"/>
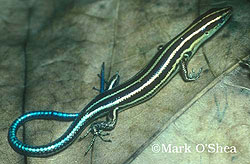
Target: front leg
<point x="113" y="82"/>
<point x="184" y="72"/>
<point x="97" y="128"/>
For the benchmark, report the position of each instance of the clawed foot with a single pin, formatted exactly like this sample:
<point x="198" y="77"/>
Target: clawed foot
<point x="96" y="133"/>
<point x="194" y="75"/>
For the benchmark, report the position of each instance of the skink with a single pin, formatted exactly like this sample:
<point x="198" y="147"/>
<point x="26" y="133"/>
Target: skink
<point x="171" y="58"/>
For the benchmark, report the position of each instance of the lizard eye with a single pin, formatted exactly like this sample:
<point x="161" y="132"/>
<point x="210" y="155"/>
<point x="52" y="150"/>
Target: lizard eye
<point x="159" y="47"/>
<point x="205" y="31"/>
